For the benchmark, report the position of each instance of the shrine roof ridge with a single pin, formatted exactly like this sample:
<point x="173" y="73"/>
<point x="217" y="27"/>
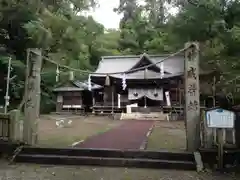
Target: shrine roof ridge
<point x="110" y="64"/>
<point x="139" y="56"/>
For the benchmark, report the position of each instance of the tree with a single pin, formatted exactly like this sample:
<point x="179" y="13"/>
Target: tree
<point x="105" y="44"/>
<point x="54" y="26"/>
<point x="146" y="29"/>
<point x="218" y="33"/>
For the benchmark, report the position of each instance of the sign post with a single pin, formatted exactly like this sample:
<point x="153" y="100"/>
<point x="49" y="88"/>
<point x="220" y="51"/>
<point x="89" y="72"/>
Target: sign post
<point x="192" y="102"/>
<point x="221" y="120"/>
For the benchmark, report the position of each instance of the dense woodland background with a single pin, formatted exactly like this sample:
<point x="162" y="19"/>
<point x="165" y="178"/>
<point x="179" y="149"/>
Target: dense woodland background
<point x="71" y="39"/>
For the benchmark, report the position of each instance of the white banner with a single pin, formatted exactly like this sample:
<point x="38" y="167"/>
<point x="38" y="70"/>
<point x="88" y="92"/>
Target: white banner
<point x="119" y="101"/>
<point x="167" y="94"/>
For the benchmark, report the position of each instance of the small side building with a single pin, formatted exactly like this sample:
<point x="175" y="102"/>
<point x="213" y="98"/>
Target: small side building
<point x="73" y="96"/>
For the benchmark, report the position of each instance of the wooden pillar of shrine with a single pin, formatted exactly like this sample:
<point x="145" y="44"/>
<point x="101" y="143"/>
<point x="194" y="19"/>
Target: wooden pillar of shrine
<point x="192" y="96"/>
<point x="109" y="91"/>
<point x="107" y="95"/>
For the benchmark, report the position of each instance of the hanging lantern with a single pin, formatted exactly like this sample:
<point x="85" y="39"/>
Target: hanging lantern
<point x="89" y="83"/>
<point x="124" y="84"/>
<point x="57" y="74"/>
<point x="161" y="70"/>
<point x="107" y="81"/>
<point x="71" y="76"/>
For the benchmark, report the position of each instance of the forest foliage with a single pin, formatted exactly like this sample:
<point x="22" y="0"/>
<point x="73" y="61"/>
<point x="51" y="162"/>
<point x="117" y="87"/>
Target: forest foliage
<point x="72" y="39"/>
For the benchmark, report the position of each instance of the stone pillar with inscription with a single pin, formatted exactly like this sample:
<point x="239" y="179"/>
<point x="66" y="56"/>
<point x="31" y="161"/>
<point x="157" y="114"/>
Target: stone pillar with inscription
<point x="192" y="96"/>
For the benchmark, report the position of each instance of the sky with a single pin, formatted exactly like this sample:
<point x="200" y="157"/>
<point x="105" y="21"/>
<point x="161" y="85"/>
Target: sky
<point x="105" y="15"/>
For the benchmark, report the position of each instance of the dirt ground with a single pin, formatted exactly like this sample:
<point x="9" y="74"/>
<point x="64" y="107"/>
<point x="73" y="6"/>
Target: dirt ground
<point x="167" y="135"/>
<point x="81" y="127"/>
<point x="37" y="172"/>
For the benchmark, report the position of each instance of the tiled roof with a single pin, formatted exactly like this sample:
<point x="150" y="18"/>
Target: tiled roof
<point x="109" y="64"/>
<point x="84" y="85"/>
<point x="60" y="89"/>
<point x="173" y="66"/>
<point x="77" y="86"/>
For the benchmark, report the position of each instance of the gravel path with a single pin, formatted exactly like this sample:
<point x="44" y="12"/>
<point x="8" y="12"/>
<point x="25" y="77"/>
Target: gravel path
<point x="37" y="172"/>
<point x="130" y="135"/>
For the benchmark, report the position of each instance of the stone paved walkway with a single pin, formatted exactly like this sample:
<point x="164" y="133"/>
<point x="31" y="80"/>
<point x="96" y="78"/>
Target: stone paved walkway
<point x="130" y="135"/>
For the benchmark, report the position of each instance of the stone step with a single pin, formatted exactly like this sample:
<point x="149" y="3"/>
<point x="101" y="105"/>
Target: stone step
<point x="142" y="116"/>
<point x="110" y="153"/>
<point x="99" y="161"/>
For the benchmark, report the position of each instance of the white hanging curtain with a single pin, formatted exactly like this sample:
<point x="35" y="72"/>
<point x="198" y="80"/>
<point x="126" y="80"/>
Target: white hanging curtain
<point x="134" y="94"/>
<point x="154" y="94"/>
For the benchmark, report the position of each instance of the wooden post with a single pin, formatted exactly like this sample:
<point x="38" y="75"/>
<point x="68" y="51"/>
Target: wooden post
<point x="179" y="93"/>
<point x="214" y="91"/>
<point x="26" y="128"/>
<point x="32" y="95"/>
<point x="93" y="98"/>
<point x="220" y="133"/>
<point x="7" y="88"/>
<point x="207" y="133"/>
<point x="93" y="101"/>
<point x="192" y="102"/>
<point x="145" y="97"/>
<point x="112" y="98"/>
<point x="16" y="129"/>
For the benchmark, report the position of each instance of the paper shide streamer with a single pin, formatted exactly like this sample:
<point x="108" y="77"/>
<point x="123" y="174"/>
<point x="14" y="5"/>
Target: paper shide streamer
<point x="124" y="84"/>
<point x="107" y="81"/>
<point x="57" y="74"/>
<point x="89" y="83"/>
<point x="161" y="70"/>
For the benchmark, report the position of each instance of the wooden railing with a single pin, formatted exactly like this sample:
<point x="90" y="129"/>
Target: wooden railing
<point x="11" y="126"/>
<point x="4" y="126"/>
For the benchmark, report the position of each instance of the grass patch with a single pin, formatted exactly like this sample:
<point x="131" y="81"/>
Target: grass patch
<point x="52" y="136"/>
<point x="167" y="135"/>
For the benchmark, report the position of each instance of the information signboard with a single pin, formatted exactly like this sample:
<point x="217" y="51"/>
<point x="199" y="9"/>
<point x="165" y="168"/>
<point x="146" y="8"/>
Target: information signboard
<point x="220" y="118"/>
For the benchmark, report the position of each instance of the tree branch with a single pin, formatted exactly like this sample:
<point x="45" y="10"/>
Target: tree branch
<point x="193" y="2"/>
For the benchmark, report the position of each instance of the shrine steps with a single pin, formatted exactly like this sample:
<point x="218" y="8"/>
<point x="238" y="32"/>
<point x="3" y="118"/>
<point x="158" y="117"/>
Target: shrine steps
<point x="107" y="157"/>
<point x="157" y="116"/>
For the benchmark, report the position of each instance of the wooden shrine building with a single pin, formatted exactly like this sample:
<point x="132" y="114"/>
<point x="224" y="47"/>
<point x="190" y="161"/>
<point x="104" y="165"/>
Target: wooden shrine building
<point x="156" y="88"/>
<point x="75" y="97"/>
<point x="161" y="85"/>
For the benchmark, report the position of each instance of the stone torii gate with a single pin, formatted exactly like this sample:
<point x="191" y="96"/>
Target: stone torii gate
<point x="192" y="100"/>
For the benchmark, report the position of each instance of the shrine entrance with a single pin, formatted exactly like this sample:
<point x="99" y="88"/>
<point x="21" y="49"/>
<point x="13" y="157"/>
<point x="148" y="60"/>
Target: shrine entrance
<point x="146" y="97"/>
<point x="147" y="102"/>
<point x="144" y="84"/>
